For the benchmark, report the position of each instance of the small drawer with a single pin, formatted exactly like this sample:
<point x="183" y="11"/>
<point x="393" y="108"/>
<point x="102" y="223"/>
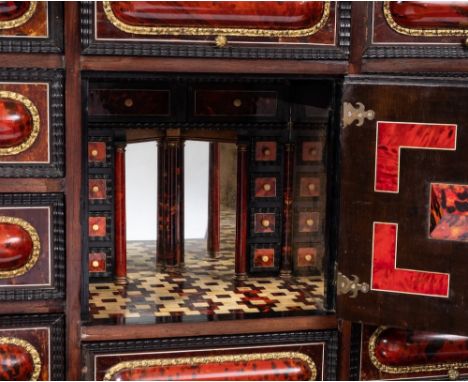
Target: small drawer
<point x="265" y="151"/>
<point x="264" y="222"/>
<point x="235" y="103"/>
<point x="309" y="186"/>
<point x="98" y="190"/>
<point x="306" y="257"/>
<point x="97" y="153"/>
<point x="97" y="227"/>
<point x="265" y="187"/>
<point x="97" y="262"/>
<point x="264" y="258"/>
<point x="308" y="222"/>
<point x="129" y="102"/>
<point x="311" y="151"/>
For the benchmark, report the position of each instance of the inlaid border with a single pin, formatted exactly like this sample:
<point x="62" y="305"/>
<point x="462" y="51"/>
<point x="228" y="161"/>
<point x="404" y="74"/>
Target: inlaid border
<point x="193" y="31"/>
<point x="10" y="24"/>
<point x="30" y="349"/>
<point x="36" y="250"/>
<point x="36" y="121"/>
<point x="164" y="362"/>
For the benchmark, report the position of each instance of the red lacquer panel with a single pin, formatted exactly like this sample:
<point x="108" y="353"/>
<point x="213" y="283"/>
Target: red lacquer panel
<point x="309" y="186"/>
<point x="97" y="189"/>
<point x="97" y="262"/>
<point x="265" y="151"/>
<point x="229" y="14"/>
<point x="393" y="136"/>
<point x="97" y="152"/>
<point x="97" y="226"/>
<point x="308" y="222"/>
<point x="264" y="222"/>
<point x="449" y="212"/>
<point x="387" y="277"/>
<point x="264" y="257"/>
<point x="265" y="187"/>
<point x="306" y="257"/>
<point x="430" y="15"/>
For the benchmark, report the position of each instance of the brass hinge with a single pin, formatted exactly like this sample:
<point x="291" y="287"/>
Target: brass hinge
<point x="358" y="113"/>
<point x="344" y="285"/>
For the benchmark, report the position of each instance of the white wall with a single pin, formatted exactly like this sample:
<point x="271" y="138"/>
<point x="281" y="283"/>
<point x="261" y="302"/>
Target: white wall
<point x="141" y="190"/>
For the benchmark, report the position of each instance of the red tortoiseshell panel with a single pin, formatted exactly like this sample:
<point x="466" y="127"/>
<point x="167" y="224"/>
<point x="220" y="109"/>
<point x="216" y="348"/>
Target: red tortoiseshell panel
<point x="312" y="151"/>
<point x="16" y="122"/>
<point x="449" y="212"/>
<point x="264" y="257"/>
<point x="386" y="276"/>
<point x="265" y="151"/>
<point x="309" y="186"/>
<point x="96" y="152"/>
<point x="97" y="189"/>
<point x="97" y="226"/>
<point x="34" y="26"/>
<point x="229" y="14"/>
<point x="15" y="246"/>
<point x="306" y="257"/>
<point x="265" y="187"/>
<point x="16" y="363"/>
<point x="264" y="222"/>
<point x="430" y="15"/>
<point x="308" y="222"/>
<point x="97" y="262"/>
<point x="393" y="136"/>
<point x="255" y="370"/>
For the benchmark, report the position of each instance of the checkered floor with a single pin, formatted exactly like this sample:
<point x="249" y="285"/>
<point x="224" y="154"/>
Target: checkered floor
<point x="203" y="291"/>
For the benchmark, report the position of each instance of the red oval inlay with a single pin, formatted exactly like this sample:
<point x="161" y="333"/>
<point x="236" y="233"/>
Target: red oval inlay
<point x="12" y="10"/>
<point x="16" y="246"/>
<point x="278" y="15"/>
<point x="16" y="363"/>
<point x="16" y="123"/>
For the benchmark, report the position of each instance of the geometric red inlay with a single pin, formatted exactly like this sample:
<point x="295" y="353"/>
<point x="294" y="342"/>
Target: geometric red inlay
<point x="393" y="136"/>
<point x="449" y="212"/>
<point x="388" y="278"/>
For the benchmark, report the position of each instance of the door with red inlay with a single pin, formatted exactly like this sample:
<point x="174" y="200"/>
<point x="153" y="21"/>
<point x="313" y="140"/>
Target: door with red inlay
<point x="403" y="236"/>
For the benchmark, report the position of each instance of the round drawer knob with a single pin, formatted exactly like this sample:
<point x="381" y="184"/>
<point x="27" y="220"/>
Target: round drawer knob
<point x="95" y="264"/>
<point x="310" y="222"/>
<point x="128" y="102"/>
<point x="267" y="187"/>
<point x="266" y="151"/>
<point x="265" y="259"/>
<point x="94" y="153"/>
<point x="265" y="223"/>
<point x="313" y="152"/>
<point x="95" y="227"/>
<point x="95" y="189"/>
<point x="237" y="102"/>
<point x="308" y="258"/>
<point x="311" y="187"/>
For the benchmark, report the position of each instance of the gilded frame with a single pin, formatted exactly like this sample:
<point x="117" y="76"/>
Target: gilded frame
<point x="36" y="250"/>
<point x="450" y="367"/>
<point x="32" y="351"/>
<point x="10" y="24"/>
<point x="192" y="31"/>
<point x="36" y="121"/>
<point x="440" y="32"/>
<point x="208" y="359"/>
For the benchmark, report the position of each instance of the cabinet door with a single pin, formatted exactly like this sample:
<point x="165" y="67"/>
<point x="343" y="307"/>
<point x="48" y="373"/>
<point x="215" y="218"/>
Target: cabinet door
<point x="403" y="238"/>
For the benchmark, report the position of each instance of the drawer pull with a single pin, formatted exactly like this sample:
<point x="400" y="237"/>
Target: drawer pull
<point x="95" y="227"/>
<point x="265" y="259"/>
<point x="311" y="187"/>
<point x="308" y="258"/>
<point x="310" y="222"/>
<point x="237" y="102"/>
<point x="266" y="151"/>
<point x="94" y="153"/>
<point x="95" y="264"/>
<point x="221" y="41"/>
<point x="265" y="223"/>
<point x="128" y="102"/>
<point x="267" y="187"/>
<point x="95" y="189"/>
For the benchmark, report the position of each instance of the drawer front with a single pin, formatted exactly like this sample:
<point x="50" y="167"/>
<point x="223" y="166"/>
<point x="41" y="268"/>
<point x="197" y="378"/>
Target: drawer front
<point x="31" y="120"/>
<point x="129" y="102"/>
<point x="416" y="29"/>
<point x="31" y="26"/>
<point x="253" y="357"/>
<point x="389" y="353"/>
<point x="305" y="30"/>
<point x="235" y="103"/>
<point x="31" y="246"/>
<point x="31" y="348"/>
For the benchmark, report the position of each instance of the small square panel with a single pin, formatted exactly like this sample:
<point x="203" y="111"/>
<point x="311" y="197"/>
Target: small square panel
<point x="265" y="222"/>
<point x="449" y="212"/>
<point x="97" y="262"/>
<point x="312" y="151"/>
<point x="308" y="222"/>
<point x="97" y="226"/>
<point x="306" y="257"/>
<point x="264" y="258"/>
<point x="265" y="151"/>
<point x="97" y="152"/>
<point x="97" y="189"/>
<point x="265" y="187"/>
<point x="309" y="186"/>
